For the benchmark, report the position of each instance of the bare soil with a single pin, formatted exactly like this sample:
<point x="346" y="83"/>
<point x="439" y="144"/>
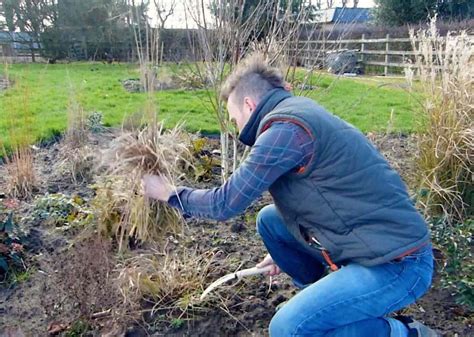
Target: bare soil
<point x="72" y="279"/>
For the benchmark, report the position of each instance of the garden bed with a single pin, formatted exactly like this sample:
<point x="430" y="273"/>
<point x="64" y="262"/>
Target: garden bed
<point x="70" y="280"/>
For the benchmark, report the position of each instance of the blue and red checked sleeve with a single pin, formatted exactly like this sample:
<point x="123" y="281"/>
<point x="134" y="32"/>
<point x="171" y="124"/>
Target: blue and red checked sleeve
<point x="282" y="147"/>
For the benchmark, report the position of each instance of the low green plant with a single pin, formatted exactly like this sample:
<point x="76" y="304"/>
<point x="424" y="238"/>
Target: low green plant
<point x="455" y="242"/>
<point x="78" y="328"/>
<point x="177" y="323"/>
<point x="204" y="162"/>
<point x="61" y="211"/>
<point x="11" y="247"/>
<point x="95" y="122"/>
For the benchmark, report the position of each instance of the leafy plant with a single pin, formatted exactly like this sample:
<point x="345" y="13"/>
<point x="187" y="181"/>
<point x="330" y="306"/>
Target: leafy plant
<point x="95" y="122"/>
<point x="177" y="323"/>
<point x="11" y="248"/>
<point x="204" y="161"/>
<point x="455" y="241"/>
<point x="59" y="210"/>
<point x="78" y="328"/>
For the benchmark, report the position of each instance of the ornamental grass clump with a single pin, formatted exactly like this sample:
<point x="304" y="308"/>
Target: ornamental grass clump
<point x="76" y="156"/>
<point x="171" y="282"/>
<point x="21" y="177"/>
<point x="123" y="209"/>
<point x="446" y="150"/>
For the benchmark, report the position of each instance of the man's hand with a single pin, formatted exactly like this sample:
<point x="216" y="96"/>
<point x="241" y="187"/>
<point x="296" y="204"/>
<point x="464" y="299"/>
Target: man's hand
<point x="268" y="261"/>
<point x="156" y="187"/>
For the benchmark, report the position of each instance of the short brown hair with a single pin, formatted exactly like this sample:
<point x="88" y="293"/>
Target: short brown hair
<point x="252" y="77"/>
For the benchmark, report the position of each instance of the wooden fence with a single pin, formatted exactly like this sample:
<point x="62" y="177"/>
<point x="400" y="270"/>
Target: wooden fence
<point x="385" y="52"/>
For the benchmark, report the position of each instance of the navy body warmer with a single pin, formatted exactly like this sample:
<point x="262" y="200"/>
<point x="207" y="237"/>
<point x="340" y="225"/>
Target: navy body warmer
<point x="348" y="202"/>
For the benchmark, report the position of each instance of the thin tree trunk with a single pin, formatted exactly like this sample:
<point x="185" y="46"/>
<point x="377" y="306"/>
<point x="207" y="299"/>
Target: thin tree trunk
<point x="224" y="156"/>
<point x="235" y="156"/>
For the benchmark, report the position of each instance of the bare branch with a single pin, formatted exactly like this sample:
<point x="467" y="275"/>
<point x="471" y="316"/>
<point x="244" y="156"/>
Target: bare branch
<point x="164" y="9"/>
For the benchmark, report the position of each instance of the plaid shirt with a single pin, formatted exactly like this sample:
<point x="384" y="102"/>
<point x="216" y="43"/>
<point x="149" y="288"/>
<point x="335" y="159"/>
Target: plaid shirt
<point x="283" y="147"/>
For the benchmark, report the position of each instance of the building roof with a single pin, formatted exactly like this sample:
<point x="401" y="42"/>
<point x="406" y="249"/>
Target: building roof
<point x="344" y="15"/>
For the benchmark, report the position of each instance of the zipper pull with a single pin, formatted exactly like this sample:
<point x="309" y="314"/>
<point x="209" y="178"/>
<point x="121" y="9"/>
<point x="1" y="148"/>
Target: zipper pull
<point x="331" y="264"/>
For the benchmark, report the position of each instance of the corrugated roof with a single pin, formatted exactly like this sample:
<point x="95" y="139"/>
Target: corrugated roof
<point x="343" y="15"/>
<point x="351" y="15"/>
<point x="20" y="40"/>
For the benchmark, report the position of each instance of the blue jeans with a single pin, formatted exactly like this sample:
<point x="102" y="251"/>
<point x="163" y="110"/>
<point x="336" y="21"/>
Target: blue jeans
<point x="353" y="301"/>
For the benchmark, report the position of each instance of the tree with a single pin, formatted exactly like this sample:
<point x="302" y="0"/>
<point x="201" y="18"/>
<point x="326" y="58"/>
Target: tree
<point x="164" y="10"/>
<point x="266" y="11"/>
<point x="400" y="12"/>
<point x="8" y="13"/>
<point x="31" y="17"/>
<point x="456" y="9"/>
<point x="91" y="29"/>
<point x="238" y="27"/>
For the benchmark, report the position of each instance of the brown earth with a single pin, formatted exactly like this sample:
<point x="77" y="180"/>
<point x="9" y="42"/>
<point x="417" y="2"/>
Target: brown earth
<point x="70" y="277"/>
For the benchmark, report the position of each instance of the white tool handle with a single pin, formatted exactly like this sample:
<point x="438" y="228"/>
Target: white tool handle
<point x="252" y="271"/>
<point x="237" y="275"/>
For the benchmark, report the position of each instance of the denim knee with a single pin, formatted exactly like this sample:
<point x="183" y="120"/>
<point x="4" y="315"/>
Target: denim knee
<point x="285" y="324"/>
<point x="263" y="217"/>
<point x="280" y="325"/>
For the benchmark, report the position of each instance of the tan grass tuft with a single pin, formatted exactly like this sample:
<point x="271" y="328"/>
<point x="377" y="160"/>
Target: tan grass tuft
<point x="123" y="210"/>
<point x="169" y="281"/>
<point x="21" y="178"/>
<point x="446" y="148"/>
<point x="77" y="158"/>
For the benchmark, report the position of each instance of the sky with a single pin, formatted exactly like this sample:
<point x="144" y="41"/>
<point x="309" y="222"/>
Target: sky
<point x="178" y="19"/>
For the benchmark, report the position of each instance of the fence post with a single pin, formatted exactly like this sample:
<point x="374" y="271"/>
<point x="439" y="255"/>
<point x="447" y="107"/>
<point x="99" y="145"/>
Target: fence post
<point x="362" y="49"/>
<point x="309" y="55"/>
<point x="161" y="52"/>
<point x="386" y="55"/>
<point x="323" y="54"/>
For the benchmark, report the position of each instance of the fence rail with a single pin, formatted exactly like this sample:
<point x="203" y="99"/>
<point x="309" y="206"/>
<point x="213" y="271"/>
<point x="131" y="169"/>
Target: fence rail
<point x="376" y="52"/>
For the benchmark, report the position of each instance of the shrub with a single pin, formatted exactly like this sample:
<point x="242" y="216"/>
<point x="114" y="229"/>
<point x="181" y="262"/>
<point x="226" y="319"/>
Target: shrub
<point x="455" y="242"/>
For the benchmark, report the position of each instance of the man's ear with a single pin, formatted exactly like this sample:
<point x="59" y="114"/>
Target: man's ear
<point x="250" y="103"/>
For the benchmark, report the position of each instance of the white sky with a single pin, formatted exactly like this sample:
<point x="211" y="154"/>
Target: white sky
<point x="178" y="19"/>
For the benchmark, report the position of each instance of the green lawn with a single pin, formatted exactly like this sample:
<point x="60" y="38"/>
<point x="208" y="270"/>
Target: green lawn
<point x="39" y="98"/>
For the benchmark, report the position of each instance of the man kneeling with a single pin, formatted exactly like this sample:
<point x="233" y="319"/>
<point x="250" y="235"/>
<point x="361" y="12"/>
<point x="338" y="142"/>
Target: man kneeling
<point x="338" y="206"/>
